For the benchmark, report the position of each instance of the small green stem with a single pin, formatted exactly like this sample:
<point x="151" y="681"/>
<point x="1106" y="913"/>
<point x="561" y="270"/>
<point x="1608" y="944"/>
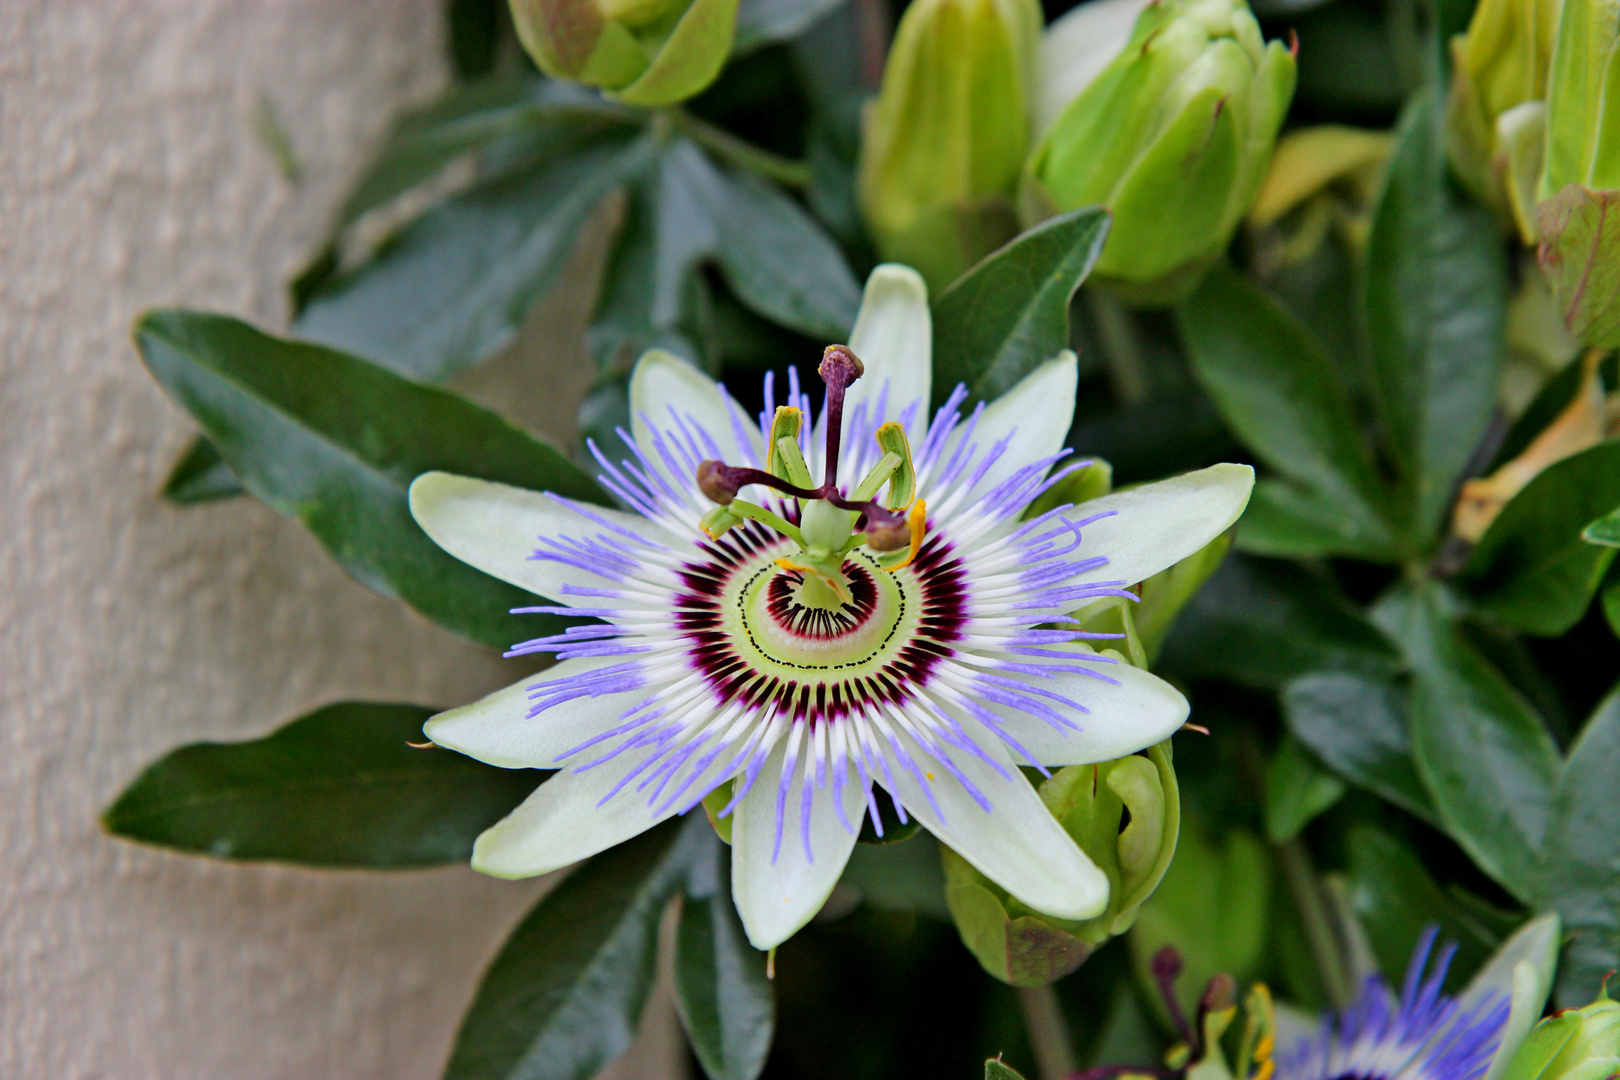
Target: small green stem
<point x="1318" y="920"/>
<point x="1048" y="1034"/>
<point x="746" y="155"/>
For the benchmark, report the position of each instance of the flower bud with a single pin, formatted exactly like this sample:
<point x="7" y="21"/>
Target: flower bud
<point x="944" y="141"/>
<point x="1576" y="1044"/>
<point x="1500" y="64"/>
<point x="1025" y="948"/>
<point x="644" y="52"/>
<point x="1580" y="183"/>
<point x="1173" y="137"/>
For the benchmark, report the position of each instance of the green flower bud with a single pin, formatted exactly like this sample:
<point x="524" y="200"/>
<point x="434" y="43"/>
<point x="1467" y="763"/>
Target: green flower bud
<point x="1499" y="65"/>
<point x="1024" y="948"/>
<point x="945" y="139"/>
<point x="1580" y="183"/>
<point x="1576" y="1044"/>
<point x="1173" y="137"/>
<point x="644" y="52"/>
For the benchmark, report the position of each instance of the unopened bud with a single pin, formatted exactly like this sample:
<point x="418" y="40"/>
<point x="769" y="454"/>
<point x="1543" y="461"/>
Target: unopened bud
<point x="645" y="52"/>
<point x="714" y="480"/>
<point x="1576" y="1044"/>
<point x="947" y="135"/>
<point x="1174" y="137"/>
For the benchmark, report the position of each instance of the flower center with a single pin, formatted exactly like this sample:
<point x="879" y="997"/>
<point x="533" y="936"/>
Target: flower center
<point x="790" y="632"/>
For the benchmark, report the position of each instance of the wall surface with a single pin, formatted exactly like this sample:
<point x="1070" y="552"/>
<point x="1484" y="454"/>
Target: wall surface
<point x="130" y="177"/>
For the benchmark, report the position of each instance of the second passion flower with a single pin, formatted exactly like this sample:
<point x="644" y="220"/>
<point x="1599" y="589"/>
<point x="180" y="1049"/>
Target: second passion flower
<point x="773" y="629"/>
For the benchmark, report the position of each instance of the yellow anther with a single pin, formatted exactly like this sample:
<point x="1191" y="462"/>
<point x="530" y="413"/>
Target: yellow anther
<point x="917" y="519"/>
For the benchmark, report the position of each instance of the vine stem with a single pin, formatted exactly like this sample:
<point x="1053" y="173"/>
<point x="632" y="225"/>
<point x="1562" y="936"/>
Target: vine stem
<point x="739" y="152"/>
<point x="1318" y="920"/>
<point x="1048" y="1034"/>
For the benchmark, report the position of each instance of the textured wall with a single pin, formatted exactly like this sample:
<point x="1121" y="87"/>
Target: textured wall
<point x="129" y="177"/>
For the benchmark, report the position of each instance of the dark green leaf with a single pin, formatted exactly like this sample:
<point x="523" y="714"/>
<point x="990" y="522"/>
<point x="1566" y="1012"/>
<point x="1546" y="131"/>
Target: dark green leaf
<point x="335" y="442"/>
<point x="1611" y="601"/>
<point x="653" y="292"/>
<point x="1483" y="753"/>
<point x="1298" y="788"/>
<point x="725" y="1000"/>
<point x="200" y="476"/>
<point x="1579" y="872"/>
<point x="338" y="787"/>
<point x="779" y="260"/>
<point x="996" y="1069"/>
<point x="452" y="287"/>
<point x="1261" y="622"/>
<point x="1286" y="521"/>
<point x="565" y="994"/>
<point x="1436" y="294"/>
<point x="903" y="876"/>
<point x="761" y="22"/>
<point x="1280" y="393"/>
<point x="1010" y="313"/>
<point x="1532" y="569"/>
<point x="468" y="117"/>
<point x="1396" y="899"/>
<point x="1357" y="724"/>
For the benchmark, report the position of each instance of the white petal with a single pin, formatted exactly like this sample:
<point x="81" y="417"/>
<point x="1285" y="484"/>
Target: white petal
<point x="777" y="897"/>
<point x="893" y="336"/>
<point x="1155" y="526"/>
<point x="561" y="822"/>
<point x="1140" y="711"/>
<point x="498" y="729"/>
<point x="496" y="528"/>
<point x="1076" y="48"/>
<point x="1033" y="417"/>
<point x="664" y="387"/>
<point x="1522" y="968"/>
<point x="1018" y="844"/>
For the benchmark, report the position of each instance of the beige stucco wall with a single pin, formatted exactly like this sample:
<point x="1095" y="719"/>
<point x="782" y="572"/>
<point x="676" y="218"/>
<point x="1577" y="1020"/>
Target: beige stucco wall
<point x="129" y="177"/>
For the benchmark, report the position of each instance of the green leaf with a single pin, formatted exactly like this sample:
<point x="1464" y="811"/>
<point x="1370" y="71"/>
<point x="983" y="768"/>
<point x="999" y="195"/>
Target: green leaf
<point x="1579" y="871"/>
<point x="1298" y="789"/>
<point x="200" y="476"/>
<point x="1358" y="725"/>
<point x="1553" y="398"/>
<point x="1436" y="294"/>
<point x="471" y="116"/>
<point x="338" y="787"/>
<point x="452" y="287"/>
<point x="779" y="260"/>
<point x="726" y="1001"/>
<point x="899" y="877"/>
<point x="1533" y="570"/>
<point x="1009" y="313"/>
<point x="762" y="22"/>
<point x="566" y="992"/>
<point x="1164" y="594"/>
<point x="1260" y="622"/>
<point x="1611" y="600"/>
<point x="1395" y="899"/>
<point x="1483" y="753"/>
<point x="1605" y="530"/>
<point x="1281" y="395"/>
<point x="1286" y="521"/>
<point x="335" y="442"/>
<point x="653" y="293"/>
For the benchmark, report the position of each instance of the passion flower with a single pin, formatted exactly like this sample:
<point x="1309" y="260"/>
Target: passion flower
<point x="789" y="642"/>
